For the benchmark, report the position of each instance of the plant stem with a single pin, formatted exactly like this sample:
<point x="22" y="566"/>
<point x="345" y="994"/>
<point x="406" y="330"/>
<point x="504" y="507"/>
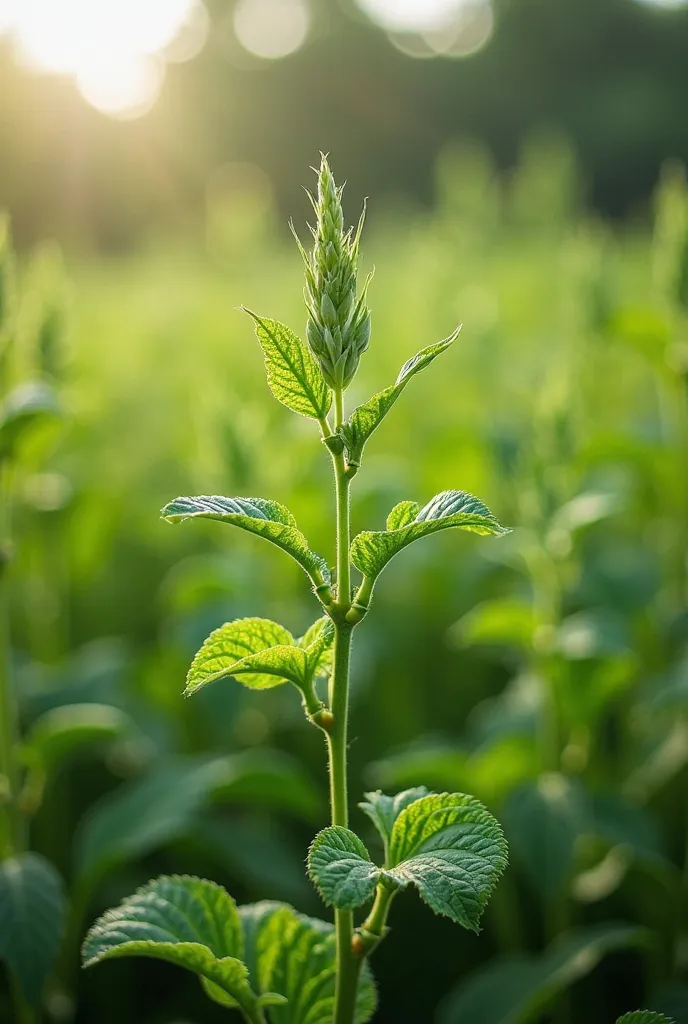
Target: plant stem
<point x="8" y="709"/>
<point x="348" y="965"/>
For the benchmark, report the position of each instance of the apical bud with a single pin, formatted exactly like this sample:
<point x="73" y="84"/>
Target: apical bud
<point x="338" y="327"/>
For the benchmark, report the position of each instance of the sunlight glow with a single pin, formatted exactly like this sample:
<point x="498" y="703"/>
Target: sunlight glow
<point x="116" y="52"/>
<point x="411" y="15"/>
<point x="271" y="28"/>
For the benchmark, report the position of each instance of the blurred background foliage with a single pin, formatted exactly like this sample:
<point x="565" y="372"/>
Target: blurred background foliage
<point x="512" y="189"/>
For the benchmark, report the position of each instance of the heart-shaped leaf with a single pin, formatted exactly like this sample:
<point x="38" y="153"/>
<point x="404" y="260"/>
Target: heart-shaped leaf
<point x="186" y="921"/>
<point x="371" y="551"/>
<point x="341" y="868"/>
<point x="267" y="519"/>
<point x="367" y="417"/>
<point x="32" y="916"/>
<point x="293" y="374"/>
<point x="448" y="845"/>
<point x="262" y="654"/>
<point x="22" y="409"/>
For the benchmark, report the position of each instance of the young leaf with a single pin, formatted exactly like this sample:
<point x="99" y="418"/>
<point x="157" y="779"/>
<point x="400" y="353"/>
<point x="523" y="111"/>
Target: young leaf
<point x="644" y="1017"/>
<point x="293" y="374"/>
<point x="384" y="810"/>
<point x="370" y="552"/>
<point x="186" y="921"/>
<point x="341" y="868"/>
<point x="367" y="417"/>
<point x="262" y="653"/>
<point x="264" y="518"/>
<point x="32" y="915"/>
<point x="518" y="989"/>
<point x="22" y="409"/>
<point x="452" y="849"/>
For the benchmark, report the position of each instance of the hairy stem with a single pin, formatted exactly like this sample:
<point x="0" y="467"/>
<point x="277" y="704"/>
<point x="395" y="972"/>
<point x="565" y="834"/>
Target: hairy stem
<point x="348" y="965"/>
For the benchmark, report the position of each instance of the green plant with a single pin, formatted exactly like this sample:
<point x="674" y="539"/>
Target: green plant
<point x="266" y="958"/>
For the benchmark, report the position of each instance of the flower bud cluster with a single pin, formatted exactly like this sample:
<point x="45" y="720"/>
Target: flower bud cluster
<point x="338" y="327"/>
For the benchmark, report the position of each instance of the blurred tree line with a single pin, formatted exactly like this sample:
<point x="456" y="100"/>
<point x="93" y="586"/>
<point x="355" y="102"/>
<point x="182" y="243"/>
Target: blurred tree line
<point x="610" y="74"/>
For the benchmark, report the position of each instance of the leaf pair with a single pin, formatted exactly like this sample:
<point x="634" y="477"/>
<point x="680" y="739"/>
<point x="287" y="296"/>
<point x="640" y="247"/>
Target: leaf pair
<point x="263" y="654"/>
<point x="255" y="957"/>
<point x="267" y="519"/>
<point x="448" y="845"/>
<point x="371" y="551"/>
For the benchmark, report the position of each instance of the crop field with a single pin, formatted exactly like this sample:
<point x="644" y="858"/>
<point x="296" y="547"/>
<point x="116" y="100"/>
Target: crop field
<point x="545" y="671"/>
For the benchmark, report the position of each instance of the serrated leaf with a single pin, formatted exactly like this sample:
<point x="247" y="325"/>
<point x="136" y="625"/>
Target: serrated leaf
<point x="293" y="374"/>
<point x="367" y="417"/>
<point x="267" y="519"/>
<point x="186" y="921"/>
<point x="384" y="810"/>
<point x="294" y="955"/>
<point x="64" y="730"/>
<point x="32" y="917"/>
<point x="22" y="409"/>
<point x="644" y="1017"/>
<point x="452" y="849"/>
<point x="371" y="551"/>
<point x="261" y="654"/>
<point x="517" y="989"/>
<point x="232" y="643"/>
<point x="341" y="868"/>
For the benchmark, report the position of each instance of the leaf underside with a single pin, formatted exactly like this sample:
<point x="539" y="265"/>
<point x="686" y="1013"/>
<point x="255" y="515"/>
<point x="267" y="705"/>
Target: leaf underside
<point x="264" y="518"/>
<point x="367" y="417"/>
<point x="293" y="373"/>
<point x="32" y="915"/>
<point x="407" y="522"/>
<point x="261" y="654"/>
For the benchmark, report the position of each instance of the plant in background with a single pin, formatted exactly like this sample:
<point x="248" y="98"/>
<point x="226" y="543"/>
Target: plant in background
<point x="267" y="960"/>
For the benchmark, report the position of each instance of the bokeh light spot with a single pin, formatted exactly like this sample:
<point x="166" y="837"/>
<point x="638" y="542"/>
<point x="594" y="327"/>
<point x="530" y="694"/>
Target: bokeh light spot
<point x="271" y="28"/>
<point x="114" y="51"/>
<point x="411" y="15"/>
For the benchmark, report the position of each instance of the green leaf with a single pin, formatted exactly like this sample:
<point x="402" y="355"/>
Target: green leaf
<point x="370" y="552"/>
<point x="32" y="917"/>
<point x="453" y="851"/>
<point x="516" y="990"/>
<point x="341" y="868"/>
<point x="293" y="374"/>
<point x="265" y="778"/>
<point x="144" y="815"/>
<point x="384" y="810"/>
<point x="294" y="955"/>
<point x="507" y="621"/>
<point x="21" y="410"/>
<point x="66" y="729"/>
<point x="262" y="653"/>
<point x="543" y="821"/>
<point x="644" y="1017"/>
<point x="186" y="921"/>
<point x="367" y="417"/>
<point x="267" y="519"/>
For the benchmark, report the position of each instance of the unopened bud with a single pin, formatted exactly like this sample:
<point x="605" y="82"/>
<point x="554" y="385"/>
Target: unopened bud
<point x="338" y="327"/>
